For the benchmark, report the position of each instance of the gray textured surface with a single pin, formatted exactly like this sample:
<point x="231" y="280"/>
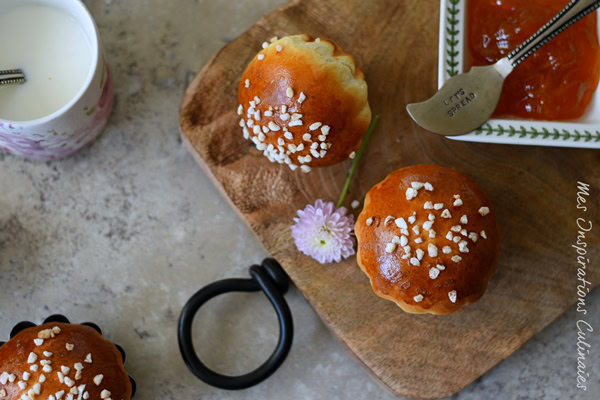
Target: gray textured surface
<point x="124" y="232"/>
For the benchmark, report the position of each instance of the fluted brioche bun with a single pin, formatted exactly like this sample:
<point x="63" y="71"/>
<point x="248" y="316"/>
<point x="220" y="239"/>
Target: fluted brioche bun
<point x="427" y="239"/>
<point x="59" y="361"/>
<point x="303" y="102"/>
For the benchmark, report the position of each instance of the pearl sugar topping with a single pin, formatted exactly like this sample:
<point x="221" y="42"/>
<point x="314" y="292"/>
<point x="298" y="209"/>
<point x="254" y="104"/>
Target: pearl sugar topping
<point x="458" y="236"/>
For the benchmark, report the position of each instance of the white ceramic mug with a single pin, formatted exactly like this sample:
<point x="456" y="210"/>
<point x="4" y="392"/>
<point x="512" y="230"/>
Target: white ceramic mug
<point x="83" y="118"/>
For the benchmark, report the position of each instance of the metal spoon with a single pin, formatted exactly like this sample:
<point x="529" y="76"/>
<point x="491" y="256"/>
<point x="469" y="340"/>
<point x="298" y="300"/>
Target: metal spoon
<point x="11" y="76"/>
<point x="467" y="101"/>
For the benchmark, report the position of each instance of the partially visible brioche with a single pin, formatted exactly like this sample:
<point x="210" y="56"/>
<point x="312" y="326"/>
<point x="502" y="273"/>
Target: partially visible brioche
<point x="303" y="102"/>
<point x="60" y="361"/>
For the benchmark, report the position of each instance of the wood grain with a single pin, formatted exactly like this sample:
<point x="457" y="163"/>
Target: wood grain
<point x="533" y="190"/>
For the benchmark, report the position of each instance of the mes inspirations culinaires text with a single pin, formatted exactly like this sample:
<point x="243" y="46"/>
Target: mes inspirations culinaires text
<point x="584" y="328"/>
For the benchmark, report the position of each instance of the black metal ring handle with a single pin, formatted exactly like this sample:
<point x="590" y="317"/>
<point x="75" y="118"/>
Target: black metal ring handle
<point x="273" y="281"/>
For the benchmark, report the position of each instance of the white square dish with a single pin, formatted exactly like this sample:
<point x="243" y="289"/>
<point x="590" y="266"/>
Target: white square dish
<point x="583" y="132"/>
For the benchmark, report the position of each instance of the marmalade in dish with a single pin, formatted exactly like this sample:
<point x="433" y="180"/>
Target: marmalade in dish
<point x="555" y="83"/>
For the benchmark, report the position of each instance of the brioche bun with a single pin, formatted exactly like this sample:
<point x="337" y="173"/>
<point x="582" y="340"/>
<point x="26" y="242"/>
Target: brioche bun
<point x="303" y="102"/>
<point x="61" y="361"/>
<point x="427" y="239"/>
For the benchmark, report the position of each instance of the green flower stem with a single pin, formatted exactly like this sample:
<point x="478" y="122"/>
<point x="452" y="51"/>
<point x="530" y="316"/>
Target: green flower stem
<point x="359" y="155"/>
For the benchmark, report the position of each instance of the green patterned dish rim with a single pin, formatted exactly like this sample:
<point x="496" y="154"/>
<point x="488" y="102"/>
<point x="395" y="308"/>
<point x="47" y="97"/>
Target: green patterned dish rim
<point x="582" y="133"/>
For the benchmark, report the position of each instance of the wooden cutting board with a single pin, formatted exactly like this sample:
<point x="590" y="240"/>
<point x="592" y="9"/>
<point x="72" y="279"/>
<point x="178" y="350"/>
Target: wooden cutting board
<point x="533" y="189"/>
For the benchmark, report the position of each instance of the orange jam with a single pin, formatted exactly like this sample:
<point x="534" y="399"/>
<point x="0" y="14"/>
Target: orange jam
<point x="555" y="83"/>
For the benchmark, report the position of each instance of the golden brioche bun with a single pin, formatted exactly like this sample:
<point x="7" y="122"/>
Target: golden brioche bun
<point x="456" y="226"/>
<point x="55" y="360"/>
<point x="303" y="102"/>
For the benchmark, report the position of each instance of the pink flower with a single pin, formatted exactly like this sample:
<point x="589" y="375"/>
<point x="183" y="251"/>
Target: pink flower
<point x="324" y="232"/>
